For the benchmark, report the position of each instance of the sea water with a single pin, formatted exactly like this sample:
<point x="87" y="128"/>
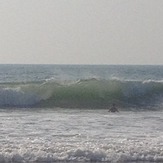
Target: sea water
<point x="59" y="113"/>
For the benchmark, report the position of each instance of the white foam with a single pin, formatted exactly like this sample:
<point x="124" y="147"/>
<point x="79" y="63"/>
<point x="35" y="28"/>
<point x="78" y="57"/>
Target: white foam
<point x="17" y="97"/>
<point x="75" y="135"/>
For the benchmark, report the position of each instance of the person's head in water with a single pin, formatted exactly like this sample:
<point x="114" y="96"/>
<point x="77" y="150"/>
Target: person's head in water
<point x="113" y="108"/>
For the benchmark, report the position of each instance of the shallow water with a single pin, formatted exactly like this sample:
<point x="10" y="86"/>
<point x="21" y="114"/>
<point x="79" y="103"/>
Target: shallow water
<point x="48" y="135"/>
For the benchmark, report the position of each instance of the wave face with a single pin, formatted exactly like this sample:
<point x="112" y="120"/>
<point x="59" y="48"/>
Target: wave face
<point x="89" y="93"/>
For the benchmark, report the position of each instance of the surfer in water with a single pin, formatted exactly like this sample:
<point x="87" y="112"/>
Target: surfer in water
<point x="113" y="109"/>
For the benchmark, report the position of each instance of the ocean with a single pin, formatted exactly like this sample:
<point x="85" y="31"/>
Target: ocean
<point x="59" y="113"/>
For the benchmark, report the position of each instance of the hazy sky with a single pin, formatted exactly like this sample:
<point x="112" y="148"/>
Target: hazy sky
<point x="81" y="31"/>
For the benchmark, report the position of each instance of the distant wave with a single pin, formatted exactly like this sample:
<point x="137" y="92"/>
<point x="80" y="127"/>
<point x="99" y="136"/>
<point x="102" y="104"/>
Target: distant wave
<point x="88" y="93"/>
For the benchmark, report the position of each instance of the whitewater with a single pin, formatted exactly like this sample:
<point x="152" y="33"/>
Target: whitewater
<point x="59" y="113"/>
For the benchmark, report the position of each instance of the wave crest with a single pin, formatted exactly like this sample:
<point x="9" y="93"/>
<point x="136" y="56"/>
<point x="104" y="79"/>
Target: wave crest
<point x="89" y="93"/>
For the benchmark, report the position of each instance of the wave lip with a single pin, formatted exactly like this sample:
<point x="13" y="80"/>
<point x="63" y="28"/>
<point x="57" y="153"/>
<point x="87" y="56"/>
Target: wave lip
<point x="88" y="93"/>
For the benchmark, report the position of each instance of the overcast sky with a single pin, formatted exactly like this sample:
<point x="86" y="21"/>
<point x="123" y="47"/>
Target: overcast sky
<point x="81" y="31"/>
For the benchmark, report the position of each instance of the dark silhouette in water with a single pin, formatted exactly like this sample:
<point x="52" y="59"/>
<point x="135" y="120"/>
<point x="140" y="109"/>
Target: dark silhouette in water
<point x="113" y="109"/>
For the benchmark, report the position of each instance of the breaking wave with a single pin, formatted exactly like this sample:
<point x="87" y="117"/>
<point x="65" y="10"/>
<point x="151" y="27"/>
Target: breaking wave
<point x="50" y="155"/>
<point x="90" y="93"/>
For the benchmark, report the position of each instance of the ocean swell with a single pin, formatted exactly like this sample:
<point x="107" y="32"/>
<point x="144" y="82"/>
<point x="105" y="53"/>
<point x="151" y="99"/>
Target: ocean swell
<point x="90" y="93"/>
